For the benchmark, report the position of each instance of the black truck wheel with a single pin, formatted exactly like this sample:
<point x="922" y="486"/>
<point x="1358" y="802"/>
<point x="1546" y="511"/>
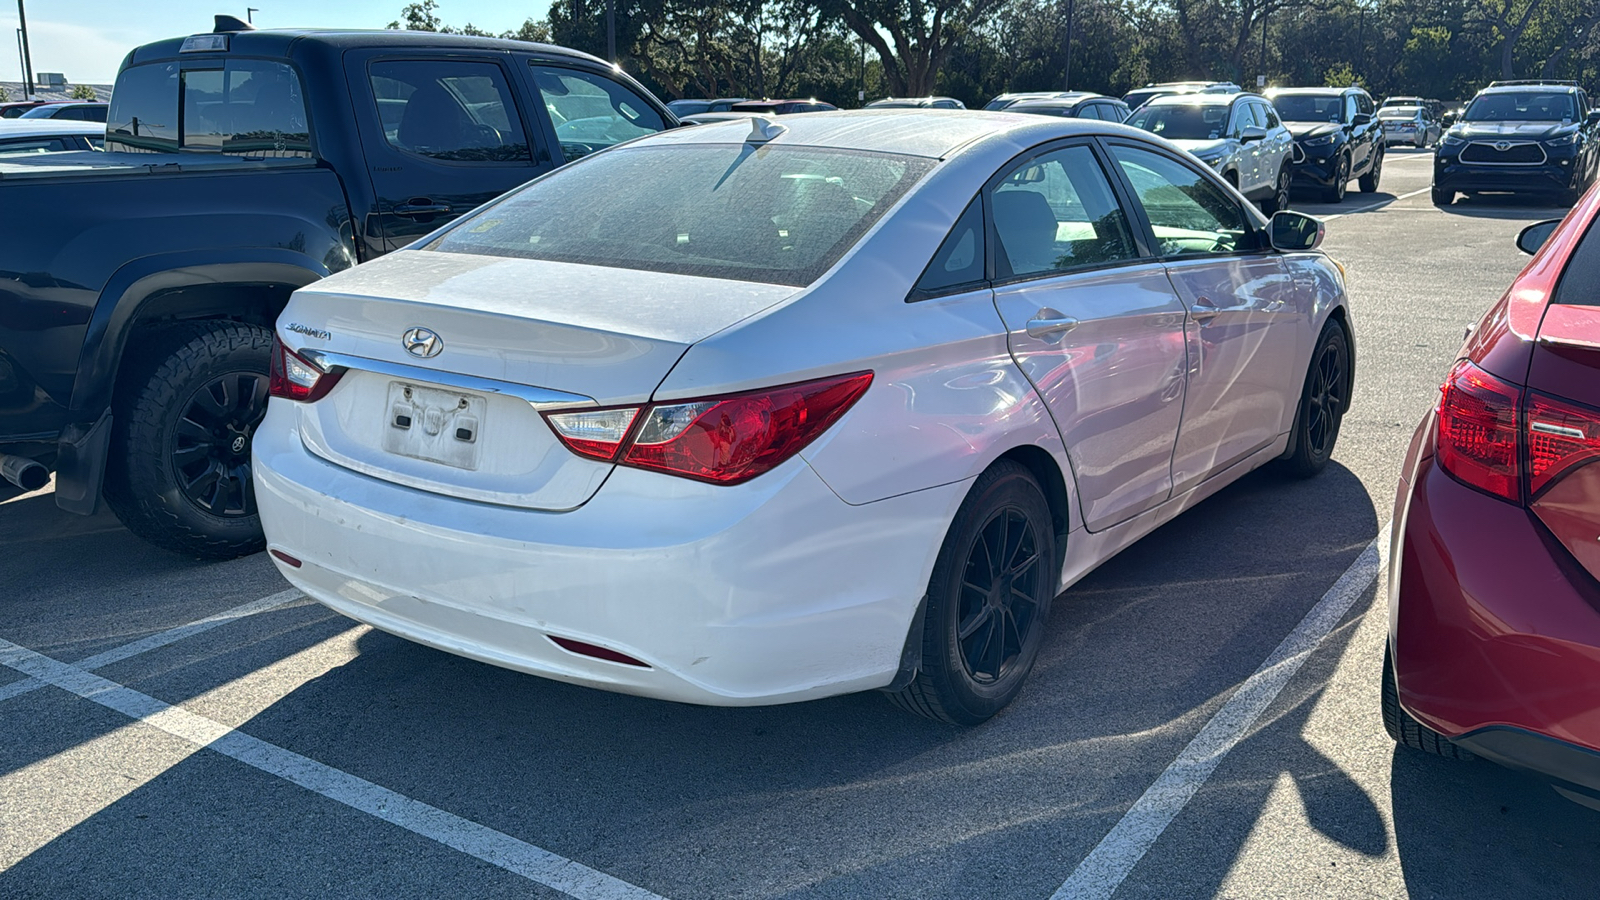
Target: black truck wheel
<point x="179" y="472"/>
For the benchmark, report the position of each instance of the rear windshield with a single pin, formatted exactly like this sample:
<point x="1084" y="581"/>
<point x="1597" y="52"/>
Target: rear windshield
<point x="1527" y="106"/>
<point x="1398" y="112"/>
<point x="782" y="215"/>
<point x="1182" y="123"/>
<point x="243" y="107"/>
<point x="1309" y="108"/>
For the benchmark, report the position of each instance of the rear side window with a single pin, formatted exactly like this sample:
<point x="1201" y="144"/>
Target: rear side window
<point x="144" y="110"/>
<point x="780" y="215"/>
<point x="28" y="146"/>
<point x="1089" y="111"/>
<point x="591" y="112"/>
<point x="246" y="107"/>
<point x="959" y="260"/>
<point x="1580" y="283"/>
<point x="1056" y="212"/>
<point x="457" y="110"/>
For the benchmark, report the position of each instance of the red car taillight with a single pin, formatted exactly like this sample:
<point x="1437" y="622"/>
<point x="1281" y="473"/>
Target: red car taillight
<point x="1478" y="431"/>
<point x="1561" y="437"/>
<point x="293" y="378"/>
<point x="723" y="440"/>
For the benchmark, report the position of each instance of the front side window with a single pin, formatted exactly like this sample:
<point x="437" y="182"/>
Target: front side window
<point x="1244" y="116"/>
<point x="244" y="107"/>
<point x="591" y="112"/>
<point x="1056" y="212"/>
<point x="781" y="215"/>
<point x="1188" y="214"/>
<point x="1267" y="115"/>
<point x="456" y="111"/>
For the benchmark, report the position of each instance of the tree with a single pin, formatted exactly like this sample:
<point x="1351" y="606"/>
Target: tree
<point x="5" y="95"/>
<point x="83" y="92"/>
<point x="920" y="34"/>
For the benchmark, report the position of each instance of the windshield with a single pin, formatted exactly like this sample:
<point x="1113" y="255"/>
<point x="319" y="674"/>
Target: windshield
<point x="1398" y="112"/>
<point x="1529" y="106"/>
<point x="1309" y="108"/>
<point x="782" y="215"/>
<point x="1186" y="122"/>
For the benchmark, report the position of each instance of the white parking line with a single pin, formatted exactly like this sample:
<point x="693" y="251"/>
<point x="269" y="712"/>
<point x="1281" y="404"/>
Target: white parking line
<point x="160" y="639"/>
<point x="479" y="841"/>
<point x="1379" y="205"/>
<point x="1105" y="868"/>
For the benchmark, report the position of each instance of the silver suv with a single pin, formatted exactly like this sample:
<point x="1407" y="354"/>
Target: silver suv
<point x="1239" y="135"/>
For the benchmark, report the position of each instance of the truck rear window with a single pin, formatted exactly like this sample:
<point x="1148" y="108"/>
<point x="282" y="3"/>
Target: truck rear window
<point x="242" y="107"/>
<point x="781" y="215"/>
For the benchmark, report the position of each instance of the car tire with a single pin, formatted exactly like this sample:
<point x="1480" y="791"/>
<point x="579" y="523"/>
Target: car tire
<point x="1280" y="192"/>
<point x="1334" y="193"/>
<point x="1443" y="197"/>
<point x="1323" y="399"/>
<point x="179" y="473"/>
<point x="1003" y="537"/>
<point x="1407" y="731"/>
<point x="1369" y="181"/>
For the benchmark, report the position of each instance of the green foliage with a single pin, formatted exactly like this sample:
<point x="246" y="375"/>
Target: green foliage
<point x="1340" y="76"/>
<point x="83" y="92"/>
<point x="5" y="95"/>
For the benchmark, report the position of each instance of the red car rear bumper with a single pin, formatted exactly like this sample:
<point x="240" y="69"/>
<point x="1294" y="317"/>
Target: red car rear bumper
<point x="1494" y="628"/>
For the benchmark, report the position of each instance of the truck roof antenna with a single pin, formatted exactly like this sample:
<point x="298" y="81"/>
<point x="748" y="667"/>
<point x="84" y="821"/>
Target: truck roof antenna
<point x="226" y="24"/>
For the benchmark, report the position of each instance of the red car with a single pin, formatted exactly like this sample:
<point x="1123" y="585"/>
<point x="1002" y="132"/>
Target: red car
<point x="1494" y="606"/>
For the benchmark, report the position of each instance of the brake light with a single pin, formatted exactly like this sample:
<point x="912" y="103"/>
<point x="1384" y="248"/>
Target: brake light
<point x="722" y="440"/>
<point x="1478" y="431"/>
<point x="1561" y="437"/>
<point x="293" y="378"/>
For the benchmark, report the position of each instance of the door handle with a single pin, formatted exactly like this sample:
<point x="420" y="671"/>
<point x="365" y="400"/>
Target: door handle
<point x="1204" y="311"/>
<point x="1049" y="322"/>
<point x="414" y="209"/>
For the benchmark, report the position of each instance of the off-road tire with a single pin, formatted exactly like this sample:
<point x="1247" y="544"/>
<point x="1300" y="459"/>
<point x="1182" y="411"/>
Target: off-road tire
<point x="159" y="383"/>
<point x="945" y="688"/>
<point x="1405" y="730"/>
<point x="1324" y="392"/>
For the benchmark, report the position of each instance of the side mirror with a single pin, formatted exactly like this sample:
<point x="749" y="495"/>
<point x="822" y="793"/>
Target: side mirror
<point x="1593" y="117"/>
<point x="1361" y="119"/>
<point x="1252" y="133"/>
<point x="1292" y="232"/>
<point x="1534" y="236"/>
<point x="1448" y="120"/>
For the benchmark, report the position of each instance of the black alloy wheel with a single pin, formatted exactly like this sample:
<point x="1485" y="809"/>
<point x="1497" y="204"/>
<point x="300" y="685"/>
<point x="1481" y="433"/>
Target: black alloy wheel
<point x="999" y="595"/>
<point x="1323" y="401"/>
<point x="1280" y="192"/>
<point x="988" y="601"/>
<point x="211" y="443"/>
<point x="1334" y="193"/>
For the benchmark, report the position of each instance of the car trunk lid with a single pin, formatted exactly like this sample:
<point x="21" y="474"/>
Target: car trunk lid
<point x="493" y="342"/>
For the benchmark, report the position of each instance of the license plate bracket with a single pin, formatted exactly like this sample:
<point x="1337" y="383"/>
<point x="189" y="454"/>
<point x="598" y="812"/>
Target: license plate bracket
<point x="438" y="426"/>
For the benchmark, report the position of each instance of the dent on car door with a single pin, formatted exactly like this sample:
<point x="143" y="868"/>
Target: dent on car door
<point x="1095" y="326"/>
<point x="1244" y="314"/>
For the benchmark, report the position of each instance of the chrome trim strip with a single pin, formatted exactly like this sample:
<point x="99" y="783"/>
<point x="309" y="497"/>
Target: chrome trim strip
<point x="537" y="397"/>
<point x="1557" y="430"/>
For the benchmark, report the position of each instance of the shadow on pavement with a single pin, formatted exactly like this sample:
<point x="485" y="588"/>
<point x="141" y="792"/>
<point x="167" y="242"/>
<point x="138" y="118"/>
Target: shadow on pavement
<point x="1505" y="206"/>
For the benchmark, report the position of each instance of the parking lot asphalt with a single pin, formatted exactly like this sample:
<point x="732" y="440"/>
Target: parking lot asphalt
<point x="279" y="750"/>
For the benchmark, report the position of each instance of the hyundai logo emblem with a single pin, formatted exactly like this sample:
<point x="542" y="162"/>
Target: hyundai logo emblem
<point x="421" y="342"/>
<point x="1502" y="146"/>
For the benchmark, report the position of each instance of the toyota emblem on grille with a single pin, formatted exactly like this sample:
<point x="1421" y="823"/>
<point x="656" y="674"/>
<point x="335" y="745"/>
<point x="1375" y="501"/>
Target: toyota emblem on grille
<point x="1502" y="146"/>
<point x="422" y="343"/>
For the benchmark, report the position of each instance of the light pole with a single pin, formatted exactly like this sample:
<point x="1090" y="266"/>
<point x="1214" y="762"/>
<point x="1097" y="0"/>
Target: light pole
<point x="249" y="14"/>
<point x="611" y="31"/>
<point x="27" y="57"/>
<point x="1066" y="82"/>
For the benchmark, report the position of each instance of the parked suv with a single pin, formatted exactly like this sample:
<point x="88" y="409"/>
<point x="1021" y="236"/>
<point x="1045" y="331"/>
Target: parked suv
<point x="1239" y="135"/>
<point x="1536" y="137"/>
<point x="917" y="103"/>
<point x="1337" y="138"/>
<point x="1073" y="105"/>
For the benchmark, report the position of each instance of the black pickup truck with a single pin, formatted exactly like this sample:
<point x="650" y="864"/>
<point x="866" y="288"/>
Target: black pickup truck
<point x="139" y="286"/>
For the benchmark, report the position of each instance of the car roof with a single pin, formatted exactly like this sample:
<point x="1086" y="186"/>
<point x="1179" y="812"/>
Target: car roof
<point x="26" y="128"/>
<point x="1057" y="102"/>
<point x="1314" y="91"/>
<point x="1530" y="86"/>
<point x="934" y="133"/>
<point x="279" y="41"/>
<point x="1200" y="99"/>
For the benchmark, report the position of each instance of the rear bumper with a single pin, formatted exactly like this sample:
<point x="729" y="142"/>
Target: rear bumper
<point x="1495" y="637"/>
<point x="766" y="592"/>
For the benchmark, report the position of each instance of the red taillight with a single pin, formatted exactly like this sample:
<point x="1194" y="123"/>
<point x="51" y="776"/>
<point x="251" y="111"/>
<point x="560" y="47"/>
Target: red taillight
<point x="722" y="440"/>
<point x="1561" y="437"/>
<point x="293" y="378"/>
<point x="1478" y="431"/>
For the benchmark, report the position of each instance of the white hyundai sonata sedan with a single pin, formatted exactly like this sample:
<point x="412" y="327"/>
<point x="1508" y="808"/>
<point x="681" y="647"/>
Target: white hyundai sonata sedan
<point x="751" y="413"/>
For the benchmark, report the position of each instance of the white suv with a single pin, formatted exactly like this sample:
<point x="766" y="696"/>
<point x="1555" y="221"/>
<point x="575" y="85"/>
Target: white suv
<point x="1239" y="135"/>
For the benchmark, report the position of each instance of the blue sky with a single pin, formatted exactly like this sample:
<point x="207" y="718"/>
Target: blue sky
<point x="86" y="39"/>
